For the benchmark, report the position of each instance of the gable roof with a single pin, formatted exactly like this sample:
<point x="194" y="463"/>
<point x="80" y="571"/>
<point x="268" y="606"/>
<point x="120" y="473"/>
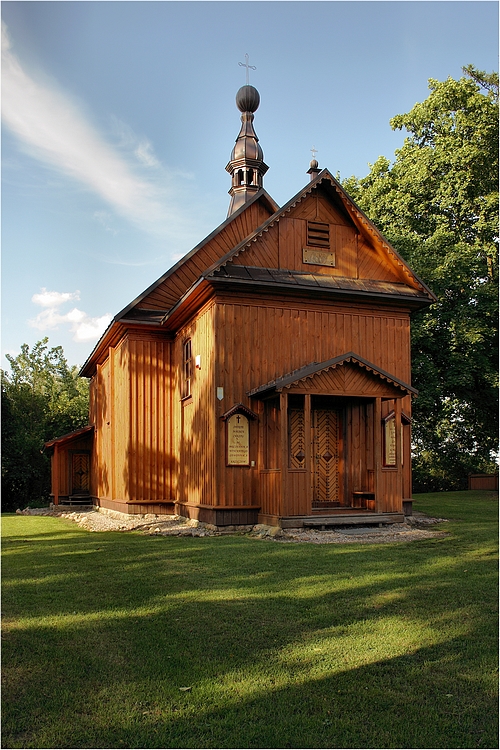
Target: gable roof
<point x="363" y="224"/>
<point x="138" y="311"/>
<point x="155" y="306"/>
<point x="261" y="197"/>
<point x="314" y="368"/>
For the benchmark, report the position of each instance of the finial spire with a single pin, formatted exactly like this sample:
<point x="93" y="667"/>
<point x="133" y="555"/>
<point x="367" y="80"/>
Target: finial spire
<point x="313" y="166"/>
<point x="247" y="66"/>
<point x="246" y="166"/>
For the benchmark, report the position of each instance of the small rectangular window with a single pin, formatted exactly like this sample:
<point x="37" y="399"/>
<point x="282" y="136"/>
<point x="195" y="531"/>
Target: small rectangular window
<point x="187" y="368"/>
<point x="318" y="234"/>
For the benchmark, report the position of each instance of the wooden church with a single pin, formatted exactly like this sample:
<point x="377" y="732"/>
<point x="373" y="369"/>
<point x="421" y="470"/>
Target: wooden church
<point x="264" y="378"/>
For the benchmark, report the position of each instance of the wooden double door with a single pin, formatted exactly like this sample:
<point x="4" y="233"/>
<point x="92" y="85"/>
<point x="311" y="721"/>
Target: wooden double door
<point x="326" y="424"/>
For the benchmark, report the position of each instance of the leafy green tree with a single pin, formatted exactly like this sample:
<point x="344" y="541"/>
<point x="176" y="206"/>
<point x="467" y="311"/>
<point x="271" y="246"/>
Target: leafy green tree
<point x="437" y="203"/>
<point x="42" y="397"/>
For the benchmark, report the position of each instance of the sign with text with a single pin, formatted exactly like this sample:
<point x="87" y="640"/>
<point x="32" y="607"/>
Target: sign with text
<point x="238" y="441"/>
<point x="390" y="442"/>
<point x="318" y="257"/>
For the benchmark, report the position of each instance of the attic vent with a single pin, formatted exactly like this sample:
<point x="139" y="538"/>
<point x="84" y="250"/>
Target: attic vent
<point x="318" y="235"/>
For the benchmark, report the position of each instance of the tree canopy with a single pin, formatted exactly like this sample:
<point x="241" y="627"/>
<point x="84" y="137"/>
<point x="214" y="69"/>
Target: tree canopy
<point x="437" y="204"/>
<point x="42" y="397"/>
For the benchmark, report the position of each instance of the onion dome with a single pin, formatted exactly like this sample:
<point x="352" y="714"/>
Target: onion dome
<point x="246" y="165"/>
<point x="248" y="99"/>
<point x="313" y="168"/>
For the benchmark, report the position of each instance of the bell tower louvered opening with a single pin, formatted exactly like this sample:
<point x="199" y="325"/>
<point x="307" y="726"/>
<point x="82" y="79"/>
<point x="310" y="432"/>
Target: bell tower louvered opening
<point x="318" y="234"/>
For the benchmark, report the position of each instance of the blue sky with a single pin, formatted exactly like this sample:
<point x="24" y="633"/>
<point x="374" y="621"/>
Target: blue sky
<point x="118" y="119"/>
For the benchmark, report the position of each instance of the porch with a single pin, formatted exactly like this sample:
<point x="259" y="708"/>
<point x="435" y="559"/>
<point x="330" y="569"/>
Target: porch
<point x="335" y="445"/>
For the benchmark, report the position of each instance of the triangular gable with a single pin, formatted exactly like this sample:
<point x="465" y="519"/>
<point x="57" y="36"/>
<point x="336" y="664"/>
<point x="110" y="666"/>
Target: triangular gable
<point x="348" y="374"/>
<point x="239" y="409"/>
<point x="169" y="288"/>
<point x="378" y="260"/>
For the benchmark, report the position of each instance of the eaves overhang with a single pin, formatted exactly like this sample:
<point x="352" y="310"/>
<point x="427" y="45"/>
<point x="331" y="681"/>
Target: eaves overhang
<point x="69" y="437"/>
<point x="116" y="330"/>
<point x="384" y="293"/>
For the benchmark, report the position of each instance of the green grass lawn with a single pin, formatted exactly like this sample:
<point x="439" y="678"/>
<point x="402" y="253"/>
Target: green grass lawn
<point x="280" y="645"/>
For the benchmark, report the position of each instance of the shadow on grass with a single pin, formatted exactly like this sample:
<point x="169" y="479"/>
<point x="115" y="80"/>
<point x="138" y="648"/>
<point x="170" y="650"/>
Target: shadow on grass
<point x="280" y="645"/>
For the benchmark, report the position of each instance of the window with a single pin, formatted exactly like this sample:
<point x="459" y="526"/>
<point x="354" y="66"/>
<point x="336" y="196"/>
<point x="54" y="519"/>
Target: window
<point x="318" y="234"/>
<point x="187" y="368"/>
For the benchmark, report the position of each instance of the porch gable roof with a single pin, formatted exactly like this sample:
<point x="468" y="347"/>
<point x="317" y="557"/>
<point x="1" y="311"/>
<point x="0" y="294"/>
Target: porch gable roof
<point x="314" y="368"/>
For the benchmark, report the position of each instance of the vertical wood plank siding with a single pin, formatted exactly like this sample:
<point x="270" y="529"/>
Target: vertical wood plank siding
<point x="195" y="426"/>
<point x="258" y="341"/>
<point x="132" y="418"/>
<point x="282" y="244"/>
<point x="62" y="464"/>
<point x="147" y="472"/>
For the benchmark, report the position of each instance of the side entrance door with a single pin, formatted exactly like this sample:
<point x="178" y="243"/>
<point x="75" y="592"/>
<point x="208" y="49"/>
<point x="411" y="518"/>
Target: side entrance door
<point x="326" y="446"/>
<point x="80" y="474"/>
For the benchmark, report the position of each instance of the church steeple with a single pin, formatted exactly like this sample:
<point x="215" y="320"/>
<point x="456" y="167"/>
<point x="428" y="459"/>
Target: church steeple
<point x="246" y="166"/>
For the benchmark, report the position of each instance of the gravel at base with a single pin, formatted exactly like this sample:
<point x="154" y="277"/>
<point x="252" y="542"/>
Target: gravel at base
<point x="417" y="527"/>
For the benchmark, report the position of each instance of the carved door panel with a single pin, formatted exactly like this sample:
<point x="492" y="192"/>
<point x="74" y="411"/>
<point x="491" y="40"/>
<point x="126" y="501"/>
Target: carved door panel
<point x="80" y="474"/>
<point x="326" y="423"/>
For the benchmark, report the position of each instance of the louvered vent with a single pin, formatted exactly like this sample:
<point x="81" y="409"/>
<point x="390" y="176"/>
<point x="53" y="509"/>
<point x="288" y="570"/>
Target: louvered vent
<point x="318" y="234"/>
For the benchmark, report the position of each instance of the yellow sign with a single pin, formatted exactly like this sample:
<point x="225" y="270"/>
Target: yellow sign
<point x="238" y="441"/>
<point x="318" y="257"/>
<point x="390" y="442"/>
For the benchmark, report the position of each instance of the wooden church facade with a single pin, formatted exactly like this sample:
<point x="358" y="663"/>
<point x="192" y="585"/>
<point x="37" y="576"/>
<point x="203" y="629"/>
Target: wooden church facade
<point x="265" y="378"/>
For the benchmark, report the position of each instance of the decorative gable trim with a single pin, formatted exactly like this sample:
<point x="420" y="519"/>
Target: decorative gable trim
<point x="359" y="219"/>
<point x="239" y="409"/>
<point x="312" y="369"/>
<point x="405" y="419"/>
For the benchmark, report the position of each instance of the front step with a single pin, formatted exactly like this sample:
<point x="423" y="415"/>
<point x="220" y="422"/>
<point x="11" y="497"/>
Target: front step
<point x="319" y="506"/>
<point x="79" y="500"/>
<point x="352" y="517"/>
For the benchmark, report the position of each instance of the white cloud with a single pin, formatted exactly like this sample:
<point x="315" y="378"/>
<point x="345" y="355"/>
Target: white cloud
<point x="53" y="129"/>
<point x="82" y="326"/>
<point x="91" y="329"/>
<point x="53" y="299"/>
<point x="144" y="153"/>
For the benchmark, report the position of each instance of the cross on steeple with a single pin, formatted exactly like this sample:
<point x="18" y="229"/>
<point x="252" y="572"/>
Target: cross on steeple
<point x="314" y="151"/>
<point x="247" y="66"/>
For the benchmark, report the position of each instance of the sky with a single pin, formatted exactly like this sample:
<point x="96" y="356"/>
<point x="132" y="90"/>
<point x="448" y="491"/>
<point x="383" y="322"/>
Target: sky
<point x="118" y="119"/>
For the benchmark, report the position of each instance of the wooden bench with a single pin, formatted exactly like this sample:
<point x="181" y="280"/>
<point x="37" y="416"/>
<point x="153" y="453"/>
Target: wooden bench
<point x="363" y="499"/>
